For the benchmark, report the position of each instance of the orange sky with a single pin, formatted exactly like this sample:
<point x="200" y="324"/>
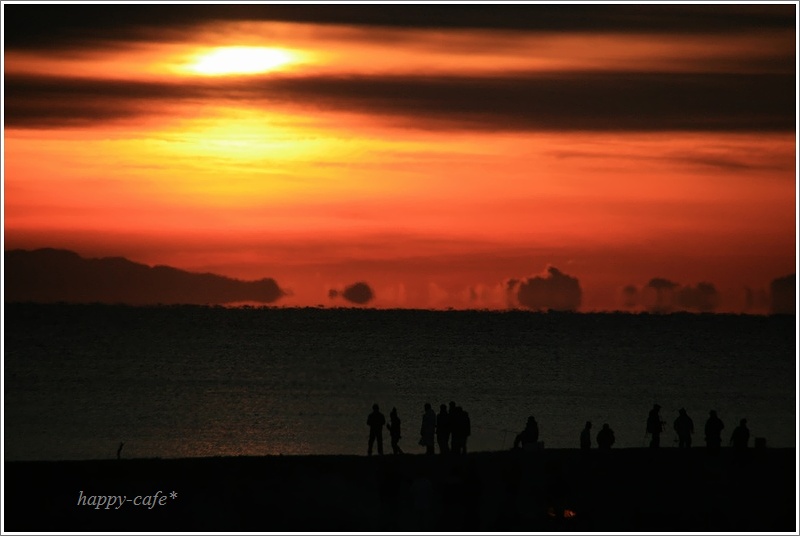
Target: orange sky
<point x="433" y="163"/>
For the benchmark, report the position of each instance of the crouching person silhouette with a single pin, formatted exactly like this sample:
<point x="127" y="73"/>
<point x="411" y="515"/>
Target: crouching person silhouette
<point x="605" y="437"/>
<point x="740" y="436"/>
<point x="529" y="437"/>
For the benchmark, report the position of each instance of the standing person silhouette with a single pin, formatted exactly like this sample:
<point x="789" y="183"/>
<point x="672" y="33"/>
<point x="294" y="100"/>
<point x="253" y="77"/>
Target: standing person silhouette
<point x="460" y="429"/>
<point x="740" y="436"/>
<point x="714" y="426"/>
<point x="586" y="437"/>
<point x="443" y="430"/>
<point x="654" y="426"/>
<point x="375" y="421"/>
<point x="394" y="431"/>
<point x="454" y="447"/>
<point x="605" y="437"/>
<point x="684" y="427"/>
<point x="428" y="429"/>
<point x="466" y="429"/>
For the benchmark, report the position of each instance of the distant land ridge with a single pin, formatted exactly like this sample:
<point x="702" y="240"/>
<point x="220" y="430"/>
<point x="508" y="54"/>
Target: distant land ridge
<point x="57" y="275"/>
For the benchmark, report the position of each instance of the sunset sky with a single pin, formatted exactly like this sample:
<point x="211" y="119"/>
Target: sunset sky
<point x="434" y="152"/>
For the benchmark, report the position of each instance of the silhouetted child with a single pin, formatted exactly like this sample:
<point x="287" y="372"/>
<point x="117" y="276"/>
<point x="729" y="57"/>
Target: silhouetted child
<point x="713" y="431"/>
<point x="684" y="427"/>
<point x="586" y="437"/>
<point x="428" y="429"/>
<point x="394" y="431"/>
<point x="375" y="421"/>
<point x="654" y="426"/>
<point x="529" y="437"/>
<point x="741" y="435"/>
<point x="605" y="437"/>
<point x="443" y="430"/>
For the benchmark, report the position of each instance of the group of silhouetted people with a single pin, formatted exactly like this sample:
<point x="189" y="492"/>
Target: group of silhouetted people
<point x="684" y="428"/>
<point x="375" y="421"/>
<point x="605" y="437"/>
<point x="450" y="429"/>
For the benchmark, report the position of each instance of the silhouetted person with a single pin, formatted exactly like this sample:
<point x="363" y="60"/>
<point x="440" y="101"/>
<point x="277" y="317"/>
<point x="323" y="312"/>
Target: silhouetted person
<point x="586" y="437"/>
<point x="453" y="440"/>
<point x="119" y="450"/>
<point x="375" y="421"/>
<point x="529" y="437"/>
<point x="460" y="429"/>
<point x="394" y="431"/>
<point x="443" y="430"/>
<point x="654" y="426"/>
<point x="741" y="435"/>
<point x="684" y="427"/>
<point x="466" y="429"/>
<point x="713" y="430"/>
<point x="428" y="429"/>
<point x="605" y="437"/>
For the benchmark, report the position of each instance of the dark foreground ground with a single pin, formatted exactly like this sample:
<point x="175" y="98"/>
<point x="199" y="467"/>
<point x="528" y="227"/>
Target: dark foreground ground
<point x="547" y="490"/>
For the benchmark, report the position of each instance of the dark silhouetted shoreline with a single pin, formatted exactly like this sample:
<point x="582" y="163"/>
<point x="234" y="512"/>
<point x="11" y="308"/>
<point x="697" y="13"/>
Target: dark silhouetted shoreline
<point x="544" y="490"/>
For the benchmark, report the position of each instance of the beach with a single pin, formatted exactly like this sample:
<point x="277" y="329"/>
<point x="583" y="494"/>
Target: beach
<point x="636" y="489"/>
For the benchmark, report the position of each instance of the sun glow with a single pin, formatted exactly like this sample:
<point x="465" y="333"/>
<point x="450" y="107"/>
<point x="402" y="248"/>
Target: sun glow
<point x="241" y="60"/>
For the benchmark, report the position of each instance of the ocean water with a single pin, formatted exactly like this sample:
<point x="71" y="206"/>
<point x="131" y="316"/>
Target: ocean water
<point x="190" y="381"/>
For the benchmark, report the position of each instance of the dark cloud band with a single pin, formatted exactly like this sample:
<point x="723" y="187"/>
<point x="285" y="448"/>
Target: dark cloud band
<point x="37" y="26"/>
<point x="601" y="101"/>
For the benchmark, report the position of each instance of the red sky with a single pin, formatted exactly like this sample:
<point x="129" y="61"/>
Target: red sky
<point x="432" y="154"/>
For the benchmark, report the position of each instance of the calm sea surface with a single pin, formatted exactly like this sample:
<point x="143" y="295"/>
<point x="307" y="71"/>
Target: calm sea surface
<point x="201" y="381"/>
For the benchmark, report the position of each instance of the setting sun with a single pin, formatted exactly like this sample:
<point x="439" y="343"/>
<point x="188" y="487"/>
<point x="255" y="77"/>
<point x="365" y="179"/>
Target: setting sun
<point x="240" y="60"/>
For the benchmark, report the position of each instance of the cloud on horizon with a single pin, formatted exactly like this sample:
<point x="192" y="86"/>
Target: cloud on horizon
<point x="553" y="290"/>
<point x="359" y="293"/>
<point x="630" y="296"/>
<point x="702" y="298"/>
<point x="782" y="292"/>
<point x="52" y="275"/>
<point x="661" y="295"/>
<point x="663" y="289"/>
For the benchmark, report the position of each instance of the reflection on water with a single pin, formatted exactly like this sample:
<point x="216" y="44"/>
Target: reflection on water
<point x="196" y="381"/>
